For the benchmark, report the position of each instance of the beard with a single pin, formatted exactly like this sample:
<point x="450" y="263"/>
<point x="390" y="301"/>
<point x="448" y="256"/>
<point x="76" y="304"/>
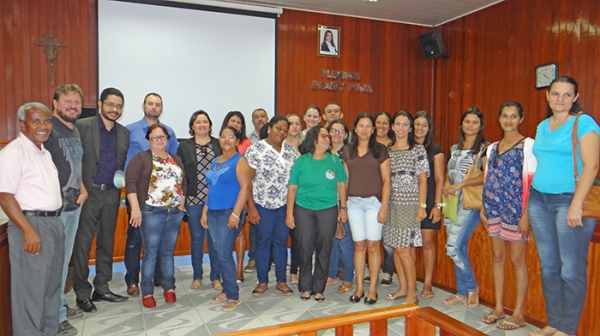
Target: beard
<point x="71" y="118"/>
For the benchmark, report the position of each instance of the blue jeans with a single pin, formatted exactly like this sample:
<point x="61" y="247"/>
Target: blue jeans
<point x="457" y="244"/>
<point x="223" y="239"/>
<point x="252" y="240"/>
<point x="563" y="252"/>
<point x="71" y="222"/>
<point x="271" y="234"/>
<point x="160" y="228"/>
<point x="197" y="233"/>
<point x="343" y="250"/>
<point x="133" y="248"/>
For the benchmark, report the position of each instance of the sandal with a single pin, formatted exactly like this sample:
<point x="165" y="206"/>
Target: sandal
<point x="454" y="300"/>
<point x="427" y="295"/>
<point x="196" y="284"/>
<point x="217" y="285"/>
<point x="472" y="299"/>
<point x="331" y="281"/>
<point x="344" y="287"/>
<point x="394" y="297"/>
<point x="219" y="298"/>
<point x="491" y="318"/>
<point x="230" y="305"/>
<point x="543" y="332"/>
<point x="305" y="295"/>
<point x="508" y="325"/>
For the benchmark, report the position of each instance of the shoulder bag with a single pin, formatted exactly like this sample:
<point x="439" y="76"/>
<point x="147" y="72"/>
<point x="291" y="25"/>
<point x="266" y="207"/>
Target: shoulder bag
<point x="591" y="205"/>
<point x="472" y="195"/>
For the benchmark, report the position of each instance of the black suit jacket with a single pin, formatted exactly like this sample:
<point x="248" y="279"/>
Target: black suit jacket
<point x="187" y="153"/>
<point x="90" y="141"/>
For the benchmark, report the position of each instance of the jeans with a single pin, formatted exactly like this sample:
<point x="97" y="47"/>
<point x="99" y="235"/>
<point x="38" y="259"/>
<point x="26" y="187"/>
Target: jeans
<point x="457" y="244"/>
<point x="71" y="222"/>
<point x="252" y="240"/>
<point x="362" y="215"/>
<point x="223" y="239"/>
<point x="563" y="252"/>
<point x="133" y="248"/>
<point x="342" y="250"/>
<point x="160" y="228"/>
<point x="271" y="233"/>
<point x="197" y="234"/>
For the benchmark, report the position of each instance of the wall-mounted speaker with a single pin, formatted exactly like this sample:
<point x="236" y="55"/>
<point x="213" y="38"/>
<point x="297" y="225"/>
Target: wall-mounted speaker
<point x="432" y="44"/>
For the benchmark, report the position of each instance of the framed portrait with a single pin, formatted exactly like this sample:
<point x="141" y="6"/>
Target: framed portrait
<point x="328" y="41"/>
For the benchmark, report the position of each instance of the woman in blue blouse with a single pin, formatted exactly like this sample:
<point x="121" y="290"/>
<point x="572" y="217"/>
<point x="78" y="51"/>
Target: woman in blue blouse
<point x="562" y="236"/>
<point x="229" y="180"/>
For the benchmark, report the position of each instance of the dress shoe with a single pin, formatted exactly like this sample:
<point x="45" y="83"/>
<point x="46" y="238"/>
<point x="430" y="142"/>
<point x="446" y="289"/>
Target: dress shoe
<point x="370" y="301"/>
<point x="170" y="297"/>
<point x="110" y="297"/>
<point x="86" y="305"/>
<point x="148" y="301"/>
<point x="73" y="313"/>
<point x="356" y="298"/>
<point x="133" y="289"/>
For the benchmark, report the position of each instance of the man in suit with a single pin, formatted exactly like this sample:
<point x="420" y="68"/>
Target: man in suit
<point x="105" y="143"/>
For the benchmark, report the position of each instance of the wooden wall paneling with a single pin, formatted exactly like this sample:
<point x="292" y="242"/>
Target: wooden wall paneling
<point x="493" y="53"/>
<point x="25" y="74"/>
<point x="387" y="56"/>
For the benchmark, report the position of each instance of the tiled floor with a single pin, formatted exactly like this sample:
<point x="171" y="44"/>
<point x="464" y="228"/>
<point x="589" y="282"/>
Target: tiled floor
<point x="192" y="314"/>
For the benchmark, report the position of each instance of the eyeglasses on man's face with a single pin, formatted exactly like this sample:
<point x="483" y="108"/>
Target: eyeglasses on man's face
<point x="112" y="105"/>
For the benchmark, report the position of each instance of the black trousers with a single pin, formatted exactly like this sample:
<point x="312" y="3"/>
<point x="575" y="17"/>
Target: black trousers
<point x="314" y="232"/>
<point x="98" y="218"/>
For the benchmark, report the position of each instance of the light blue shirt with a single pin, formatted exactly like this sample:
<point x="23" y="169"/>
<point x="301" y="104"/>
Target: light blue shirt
<point x="554" y="154"/>
<point x="138" y="142"/>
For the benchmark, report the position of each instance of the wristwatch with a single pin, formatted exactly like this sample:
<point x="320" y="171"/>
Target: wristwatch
<point x="344" y="208"/>
<point x="423" y="205"/>
<point x="439" y="205"/>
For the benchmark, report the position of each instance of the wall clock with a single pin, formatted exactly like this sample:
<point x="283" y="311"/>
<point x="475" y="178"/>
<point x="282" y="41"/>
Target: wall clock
<point x="545" y="74"/>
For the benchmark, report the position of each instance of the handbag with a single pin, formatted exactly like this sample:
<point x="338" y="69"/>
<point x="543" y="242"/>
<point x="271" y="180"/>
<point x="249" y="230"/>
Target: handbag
<point x="591" y="204"/>
<point x="340" y="230"/>
<point x="450" y="207"/>
<point x="472" y="195"/>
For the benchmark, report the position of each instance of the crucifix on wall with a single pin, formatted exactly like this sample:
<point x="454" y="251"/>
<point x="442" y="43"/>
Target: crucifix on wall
<point x="51" y="46"/>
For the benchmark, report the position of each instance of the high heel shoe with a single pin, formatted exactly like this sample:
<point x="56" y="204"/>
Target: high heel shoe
<point x="356" y="298"/>
<point x="370" y="301"/>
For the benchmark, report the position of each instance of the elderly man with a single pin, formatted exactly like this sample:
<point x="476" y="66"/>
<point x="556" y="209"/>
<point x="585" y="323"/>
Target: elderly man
<point x="30" y="196"/>
<point x="105" y="144"/>
<point x="152" y="107"/>
<point x="64" y="144"/>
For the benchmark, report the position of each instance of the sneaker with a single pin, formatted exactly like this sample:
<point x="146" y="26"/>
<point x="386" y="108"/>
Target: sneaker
<point x="66" y="329"/>
<point x="386" y="279"/>
<point x="73" y="313"/>
<point x="367" y="279"/>
<point x="251" y="267"/>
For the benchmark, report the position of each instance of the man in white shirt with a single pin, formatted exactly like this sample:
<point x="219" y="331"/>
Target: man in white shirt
<point x="30" y="196"/>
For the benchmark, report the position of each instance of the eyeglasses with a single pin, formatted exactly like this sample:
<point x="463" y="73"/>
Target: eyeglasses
<point x="337" y="131"/>
<point x="227" y="137"/>
<point x="158" y="137"/>
<point x="324" y="136"/>
<point x="112" y="105"/>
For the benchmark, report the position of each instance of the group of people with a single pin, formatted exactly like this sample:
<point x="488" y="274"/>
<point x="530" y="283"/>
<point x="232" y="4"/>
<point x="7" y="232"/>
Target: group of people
<point x="383" y="182"/>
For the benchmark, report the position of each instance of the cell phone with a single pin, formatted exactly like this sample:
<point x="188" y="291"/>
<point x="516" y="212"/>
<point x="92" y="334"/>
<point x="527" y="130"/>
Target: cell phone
<point x="185" y="217"/>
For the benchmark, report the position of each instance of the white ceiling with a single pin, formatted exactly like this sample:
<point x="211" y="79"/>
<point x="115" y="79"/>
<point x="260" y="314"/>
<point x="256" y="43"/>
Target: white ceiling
<point x="419" y="12"/>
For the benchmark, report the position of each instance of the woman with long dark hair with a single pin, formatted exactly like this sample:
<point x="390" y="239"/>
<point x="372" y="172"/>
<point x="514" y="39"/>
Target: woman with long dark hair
<point x="369" y="176"/>
<point x="423" y="126"/>
<point x="318" y="177"/>
<point x="555" y="205"/>
<point x="508" y="173"/>
<point x="469" y="151"/>
<point x="402" y="231"/>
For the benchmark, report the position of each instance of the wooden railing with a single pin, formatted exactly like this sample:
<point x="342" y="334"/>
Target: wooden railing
<point x="419" y="322"/>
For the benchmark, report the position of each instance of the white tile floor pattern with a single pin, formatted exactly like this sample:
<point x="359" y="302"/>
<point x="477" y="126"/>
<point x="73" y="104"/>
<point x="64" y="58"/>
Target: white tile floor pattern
<point x="192" y="314"/>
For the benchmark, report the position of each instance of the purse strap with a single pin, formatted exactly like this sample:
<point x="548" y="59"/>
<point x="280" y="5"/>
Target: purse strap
<point x="574" y="146"/>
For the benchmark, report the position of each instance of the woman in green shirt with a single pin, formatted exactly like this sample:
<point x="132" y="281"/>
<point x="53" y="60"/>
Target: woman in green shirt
<point x="312" y="209"/>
